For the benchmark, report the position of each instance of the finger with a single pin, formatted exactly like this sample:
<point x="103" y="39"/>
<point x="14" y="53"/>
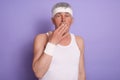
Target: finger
<point x="57" y="30"/>
<point x="65" y="35"/>
<point x="61" y="26"/>
<point x="63" y="30"/>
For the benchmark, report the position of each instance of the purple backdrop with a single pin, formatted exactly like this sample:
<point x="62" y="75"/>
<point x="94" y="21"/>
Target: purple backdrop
<point x="97" y="21"/>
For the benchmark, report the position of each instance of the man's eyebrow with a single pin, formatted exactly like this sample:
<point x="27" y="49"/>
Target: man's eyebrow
<point x="67" y="12"/>
<point x="59" y="13"/>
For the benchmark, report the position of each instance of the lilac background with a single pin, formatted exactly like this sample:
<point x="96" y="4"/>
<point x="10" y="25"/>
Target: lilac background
<point x="97" y="21"/>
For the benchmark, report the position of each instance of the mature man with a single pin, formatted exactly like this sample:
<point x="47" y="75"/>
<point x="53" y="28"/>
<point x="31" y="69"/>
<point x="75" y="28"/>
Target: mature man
<point x="59" y="54"/>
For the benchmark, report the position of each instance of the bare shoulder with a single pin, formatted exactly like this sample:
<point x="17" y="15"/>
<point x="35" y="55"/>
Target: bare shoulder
<point x="80" y="42"/>
<point x="40" y="37"/>
<point x="40" y="40"/>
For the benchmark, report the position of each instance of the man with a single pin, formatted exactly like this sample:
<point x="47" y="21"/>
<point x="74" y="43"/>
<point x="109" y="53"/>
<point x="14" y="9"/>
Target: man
<point x="59" y="54"/>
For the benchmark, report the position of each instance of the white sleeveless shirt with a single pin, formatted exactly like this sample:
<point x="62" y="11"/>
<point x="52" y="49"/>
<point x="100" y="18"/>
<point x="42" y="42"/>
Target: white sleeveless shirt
<point x="65" y="62"/>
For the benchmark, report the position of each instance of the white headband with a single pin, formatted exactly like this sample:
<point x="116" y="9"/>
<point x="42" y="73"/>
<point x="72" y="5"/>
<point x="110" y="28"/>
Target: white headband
<point x="62" y="9"/>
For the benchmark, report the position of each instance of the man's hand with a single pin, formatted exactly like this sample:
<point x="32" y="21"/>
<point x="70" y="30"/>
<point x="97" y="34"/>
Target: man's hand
<point x="58" y="34"/>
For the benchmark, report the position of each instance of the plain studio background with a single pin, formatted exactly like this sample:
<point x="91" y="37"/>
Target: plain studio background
<point x="97" y="21"/>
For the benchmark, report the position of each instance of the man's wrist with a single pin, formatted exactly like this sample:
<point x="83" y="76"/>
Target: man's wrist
<point x="52" y="42"/>
<point x="50" y="47"/>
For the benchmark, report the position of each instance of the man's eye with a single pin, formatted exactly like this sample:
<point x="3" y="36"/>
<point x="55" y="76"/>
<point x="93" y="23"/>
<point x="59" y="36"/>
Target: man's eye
<point x="67" y="15"/>
<point x="57" y="15"/>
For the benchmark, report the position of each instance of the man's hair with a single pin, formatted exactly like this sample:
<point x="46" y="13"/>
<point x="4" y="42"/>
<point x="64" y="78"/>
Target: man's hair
<point x="61" y="4"/>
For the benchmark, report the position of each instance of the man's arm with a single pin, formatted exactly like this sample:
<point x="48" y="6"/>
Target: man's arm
<point x="80" y="43"/>
<point x="41" y="61"/>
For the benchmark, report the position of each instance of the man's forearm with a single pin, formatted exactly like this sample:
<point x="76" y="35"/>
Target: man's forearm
<point x="41" y="66"/>
<point x="82" y="76"/>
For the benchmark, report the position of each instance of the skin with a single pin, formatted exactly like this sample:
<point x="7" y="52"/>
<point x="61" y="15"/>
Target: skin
<point x="60" y="35"/>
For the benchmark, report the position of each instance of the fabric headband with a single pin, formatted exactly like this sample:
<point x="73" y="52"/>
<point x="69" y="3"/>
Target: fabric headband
<point x="62" y="9"/>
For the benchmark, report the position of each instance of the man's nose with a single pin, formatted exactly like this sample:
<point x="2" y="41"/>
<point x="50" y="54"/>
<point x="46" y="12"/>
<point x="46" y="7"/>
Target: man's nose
<point x="63" y="19"/>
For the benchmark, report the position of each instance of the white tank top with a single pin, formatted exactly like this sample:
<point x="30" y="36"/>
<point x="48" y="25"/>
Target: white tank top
<point x="65" y="62"/>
